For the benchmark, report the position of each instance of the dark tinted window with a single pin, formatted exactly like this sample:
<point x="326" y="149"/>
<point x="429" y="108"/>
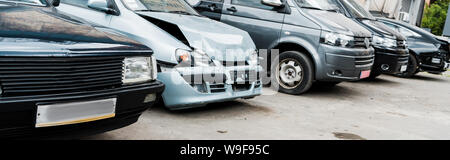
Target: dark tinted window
<point x="251" y="3"/>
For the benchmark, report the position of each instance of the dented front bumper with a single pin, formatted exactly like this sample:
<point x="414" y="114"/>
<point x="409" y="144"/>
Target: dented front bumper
<point x="191" y="87"/>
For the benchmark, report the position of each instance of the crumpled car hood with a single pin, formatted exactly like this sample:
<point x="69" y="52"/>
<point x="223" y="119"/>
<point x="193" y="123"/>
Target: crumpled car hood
<point x="220" y="41"/>
<point x="338" y="22"/>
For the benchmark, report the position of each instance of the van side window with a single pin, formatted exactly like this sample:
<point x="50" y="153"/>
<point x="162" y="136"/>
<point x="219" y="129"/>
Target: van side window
<point x="80" y="3"/>
<point x="251" y="3"/>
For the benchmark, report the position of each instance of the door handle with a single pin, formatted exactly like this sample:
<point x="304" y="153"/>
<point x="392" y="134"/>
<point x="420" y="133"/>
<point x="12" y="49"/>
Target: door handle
<point x="232" y="9"/>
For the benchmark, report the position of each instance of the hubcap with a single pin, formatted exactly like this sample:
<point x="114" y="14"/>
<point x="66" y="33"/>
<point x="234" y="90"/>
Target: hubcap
<point x="290" y="73"/>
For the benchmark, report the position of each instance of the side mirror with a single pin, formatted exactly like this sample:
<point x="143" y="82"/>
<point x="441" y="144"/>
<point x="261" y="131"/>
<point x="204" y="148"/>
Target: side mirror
<point x="101" y="5"/>
<point x="55" y="3"/>
<point x="273" y="3"/>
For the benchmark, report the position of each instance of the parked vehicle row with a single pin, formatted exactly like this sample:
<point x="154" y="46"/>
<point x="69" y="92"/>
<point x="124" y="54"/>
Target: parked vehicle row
<point x="88" y="66"/>
<point x="427" y="52"/>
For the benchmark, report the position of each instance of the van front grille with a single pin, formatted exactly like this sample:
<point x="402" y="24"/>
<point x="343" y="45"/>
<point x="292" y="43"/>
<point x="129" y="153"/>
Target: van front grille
<point x="362" y="42"/>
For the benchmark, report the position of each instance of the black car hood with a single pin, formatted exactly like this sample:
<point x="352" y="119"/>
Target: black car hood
<point x="382" y="29"/>
<point x="337" y="22"/>
<point x="43" y="25"/>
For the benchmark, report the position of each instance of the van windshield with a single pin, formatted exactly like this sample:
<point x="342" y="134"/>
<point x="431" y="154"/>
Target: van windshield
<point x="327" y="5"/>
<point x="168" y="6"/>
<point x="357" y="10"/>
<point x="30" y="2"/>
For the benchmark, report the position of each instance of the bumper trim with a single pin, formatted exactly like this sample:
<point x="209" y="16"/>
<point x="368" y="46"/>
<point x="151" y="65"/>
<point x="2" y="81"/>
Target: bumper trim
<point x="153" y="87"/>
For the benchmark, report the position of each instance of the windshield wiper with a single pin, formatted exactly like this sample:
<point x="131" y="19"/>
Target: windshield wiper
<point x="181" y="12"/>
<point x="364" y="18"/>
<point x="333" y="10"/>
<point x="184" y="13"/>
<point x="148" y="10"/>
<point x="312" y="8"/>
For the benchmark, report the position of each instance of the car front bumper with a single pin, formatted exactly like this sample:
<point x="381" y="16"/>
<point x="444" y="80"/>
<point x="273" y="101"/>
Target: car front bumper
<point x="18" y="114"/>
<point x="345" y="64"/>
<point x="182" y="94"/>
<point x="390" y="61"/>
<point x="428" y="62"/>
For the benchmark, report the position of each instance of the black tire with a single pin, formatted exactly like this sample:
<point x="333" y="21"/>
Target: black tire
<point x="373" y="75"/>
<point x="413" y="68"/>
<point x="300" y="60"/>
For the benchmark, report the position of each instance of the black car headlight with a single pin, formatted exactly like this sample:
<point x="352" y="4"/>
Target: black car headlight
<point x="385" y="42"/>
<point x="139" y="69"/>
<point x="336" y="39"/>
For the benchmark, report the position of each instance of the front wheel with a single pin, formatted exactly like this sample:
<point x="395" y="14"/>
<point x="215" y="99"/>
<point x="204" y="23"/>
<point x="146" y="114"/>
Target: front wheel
<point x="293" y="74"/>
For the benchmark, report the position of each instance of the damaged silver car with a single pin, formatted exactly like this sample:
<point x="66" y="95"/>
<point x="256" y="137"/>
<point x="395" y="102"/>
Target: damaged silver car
<point x="200" y="60"/>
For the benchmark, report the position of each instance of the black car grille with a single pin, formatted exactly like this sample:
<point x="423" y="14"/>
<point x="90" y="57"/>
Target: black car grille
<point x="30" y="76"/>
<point x="403" y="59"/>
<point x="361" y="42"/>
<point x="401" y="44"/>
<point x="364" y="61"/>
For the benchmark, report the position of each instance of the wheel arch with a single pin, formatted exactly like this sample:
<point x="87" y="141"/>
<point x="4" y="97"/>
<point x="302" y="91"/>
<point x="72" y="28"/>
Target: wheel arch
<point x="307" y="49"/>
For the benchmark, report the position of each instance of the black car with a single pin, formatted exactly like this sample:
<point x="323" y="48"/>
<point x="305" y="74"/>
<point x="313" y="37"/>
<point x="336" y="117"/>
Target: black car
<point x="391" y="53"/>
<point x="64" y="77"/>
<point x="428" y="52"/>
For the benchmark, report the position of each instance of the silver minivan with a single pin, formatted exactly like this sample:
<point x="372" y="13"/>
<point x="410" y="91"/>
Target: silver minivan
<point x="199" y="60"/>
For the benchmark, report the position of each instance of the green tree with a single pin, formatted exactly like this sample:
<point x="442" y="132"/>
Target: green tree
<point x="435" y="16"/>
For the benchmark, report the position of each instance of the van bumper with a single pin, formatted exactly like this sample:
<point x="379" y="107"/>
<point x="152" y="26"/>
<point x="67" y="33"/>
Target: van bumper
<point x="345" y="64"/>
<point x="390" y="61"/>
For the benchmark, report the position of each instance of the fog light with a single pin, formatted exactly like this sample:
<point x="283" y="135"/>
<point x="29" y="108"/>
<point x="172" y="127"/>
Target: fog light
<point x="150" y="98"/>
<point x="385" y="67"/>
<point x="337" y="72"/>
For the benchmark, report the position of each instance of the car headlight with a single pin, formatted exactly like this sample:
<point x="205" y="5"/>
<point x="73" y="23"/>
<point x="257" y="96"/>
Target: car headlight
<point x="253" y="58"/>
<point x="194" y="58"/>
<point x="139" y="69"/>
<point x="336" y="39"/>
<point x="384" y="42"/>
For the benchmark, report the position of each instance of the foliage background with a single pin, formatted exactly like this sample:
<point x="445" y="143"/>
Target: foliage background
<point x="435" y="16"/>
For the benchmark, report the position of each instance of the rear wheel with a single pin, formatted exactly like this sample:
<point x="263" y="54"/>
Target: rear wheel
<point x="293" y="74"/>
<point x="413" y="68"/>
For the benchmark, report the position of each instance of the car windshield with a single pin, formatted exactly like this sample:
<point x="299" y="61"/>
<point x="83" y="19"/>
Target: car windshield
<point x="31" y="2"/>
<point x="169" y="6"/>
<point x="328" y="5"/>
<point x="357" y="10"/>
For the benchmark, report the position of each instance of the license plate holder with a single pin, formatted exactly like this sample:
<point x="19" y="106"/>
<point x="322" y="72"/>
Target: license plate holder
<point x="403" y="68"/>
<point x="76" y="112"/>
<point x="364" y="74"/>
<point x="436" y="60"/>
